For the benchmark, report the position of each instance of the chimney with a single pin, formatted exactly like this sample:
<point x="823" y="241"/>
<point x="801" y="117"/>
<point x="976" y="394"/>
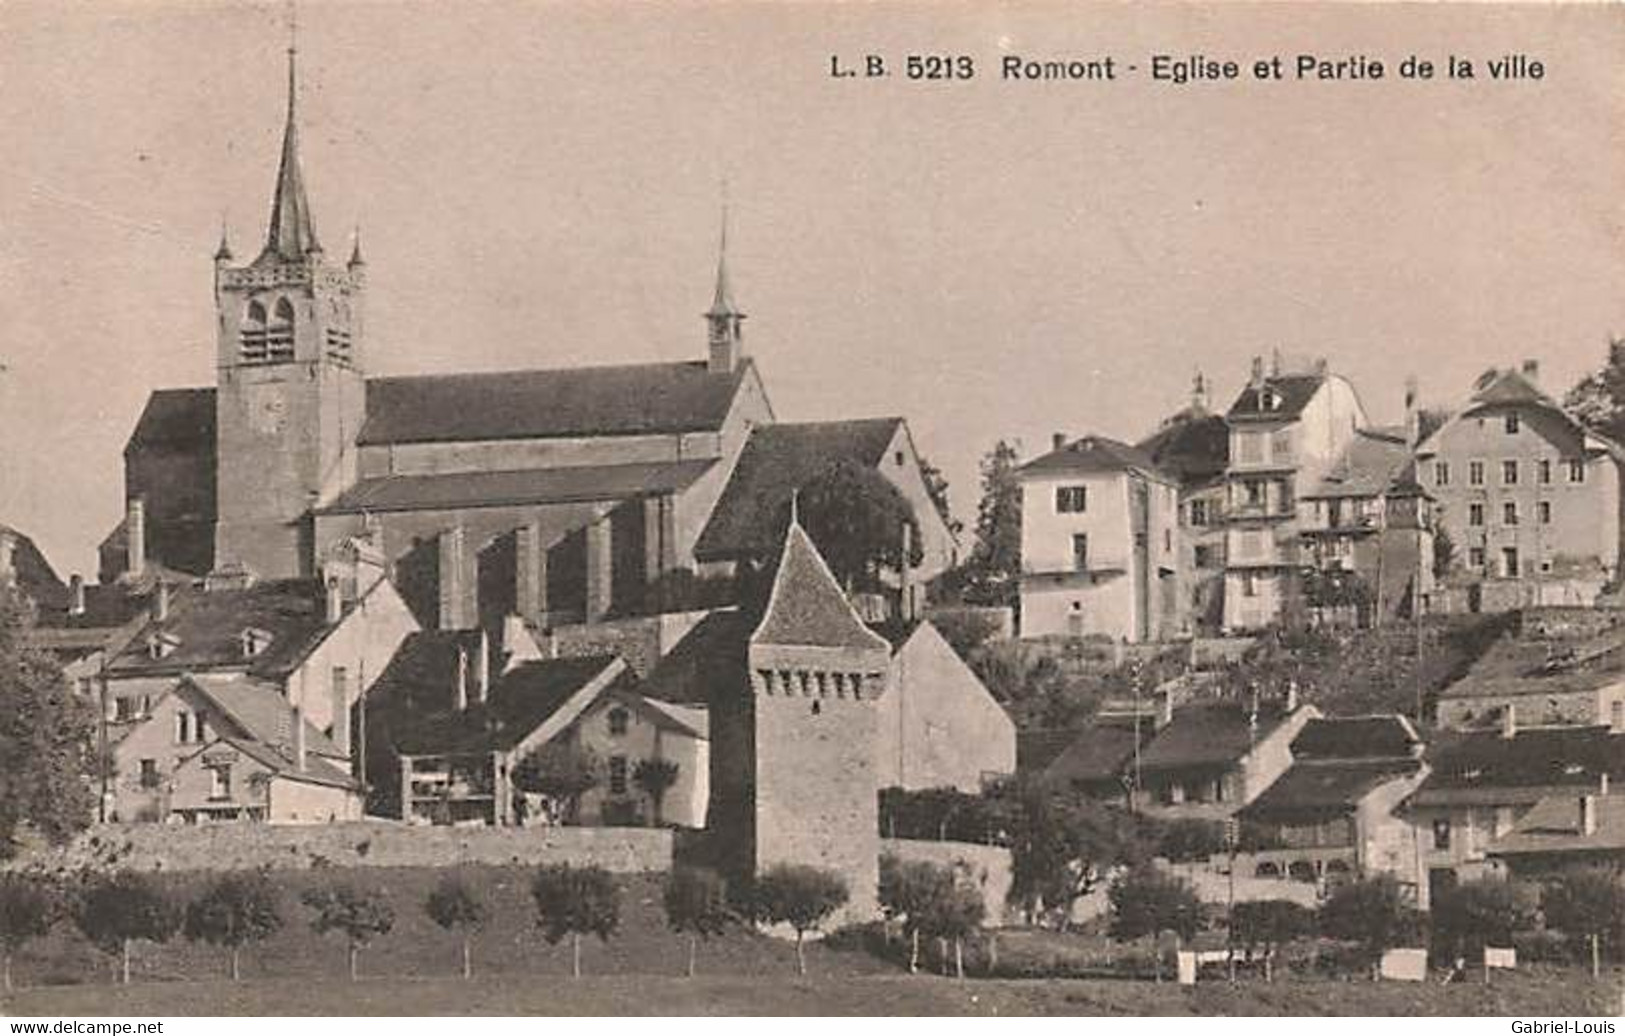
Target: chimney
<point x="452" y="579"/>
<point x="462" y="678"/>
<point x="1509" y="720"/>
<point x="1058" y="441"/>
<point x="1602" y="784"/>
<point x="335" y="600"/>
<point x="76" y="594"/>
<point x="550" y="649"/>
<point x="135" y="536"/>
<point x="1166" y="713"/>
<point x="1413" y="416"/>
<point x="160" y="602"/>
<point x="8" y="557"/>
<point x="1199" y="392"/>
<point x="298" y="720"/>
<point x="1531" y="371"/>
<point x="1256" y="378"/>
<point x="514" y="634"/>
<point x="1291" y="697"/>
<point x="1588" y="814"/>
<point x="1275" y="362"/>
<point x="482" y="668"/>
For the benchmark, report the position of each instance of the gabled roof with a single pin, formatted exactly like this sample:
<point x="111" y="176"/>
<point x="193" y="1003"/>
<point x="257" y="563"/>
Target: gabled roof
<point x="1281" y="397"/>
<point x="33" y="573"/>
<point x="693" y="720"/>
<point x="1373" y="462"/>
<point x="807" y="607"/>
<point x="1092" y="756"/>
<point x="1552" y="825"/>
<point x="1210" y="735"/>
<point x="107" y="606"/>
<point x="206" y="627"/>
<point x="573" y="402"/>
<point x="710" y="664"/>
<point x="778" y="460"/>
<point x="1193" y="445"/>
<point x="522" y="700"/>
<point x="1356" y="737"/>
<point x="1313" y="791"/>
<point x="263" y="715"/>
<point x="1511" y="388"/>
<point x="1485" y="768"/>
<point x="509" y="488"/>
<point x="317" y="770"/>
<point x="1094" y="454"/>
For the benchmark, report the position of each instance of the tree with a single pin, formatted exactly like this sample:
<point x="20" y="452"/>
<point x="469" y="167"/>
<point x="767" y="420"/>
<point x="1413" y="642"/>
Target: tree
<point x="117" y="911"/>
<point x="1189" y="838"/>
<point x="29" y="907"/>
<point x="655" y="777"/>
<point x="856" y="517"/>
<point x="696" y="901"/>
<point x="1146" y="901"/>
<point x="1063" y="844"/>
<point x="47" y="737"/>
<point x="802" y="897"/>
<point x="1481" y="913"/>
<point x="360" y="915"/>
<point x="576" y="901"/>
<point x="1267" y="925"/>
<point x="908" y="889"/>
<point x="936" y="486"/>
<point x="455" y="906"/>
<point x="1588" y="905"/>
<point x="563" y="771"/>
<point x="994" y="567"/>
<point x="1598" y="399"/>
<point x="1374" y="913"/>
<point x="237" y="910"/>
<point x="954" y="912"/>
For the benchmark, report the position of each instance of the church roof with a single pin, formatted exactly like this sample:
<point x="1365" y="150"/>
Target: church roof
<point x="777" y="460"/>
<point x="573" y="402"/>
<point x="807" y="607"/>
<point x="176" y="419"/>
<point x="510" y="488"/>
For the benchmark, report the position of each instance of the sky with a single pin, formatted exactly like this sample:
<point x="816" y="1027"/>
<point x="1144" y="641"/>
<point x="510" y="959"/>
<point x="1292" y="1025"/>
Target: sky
<point x="539" y="185"/>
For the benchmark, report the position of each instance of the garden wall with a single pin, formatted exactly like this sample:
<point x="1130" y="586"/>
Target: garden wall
<point x="623" y="850"/>
<point x="988" y="866"/>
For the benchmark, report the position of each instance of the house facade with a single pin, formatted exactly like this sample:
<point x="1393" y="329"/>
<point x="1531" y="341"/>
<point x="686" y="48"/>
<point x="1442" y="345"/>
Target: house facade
<point x="1193" y="445"/>
<point x="624" y="730"/>
<point x="1287" y="428"/>
<point x="1100" y="547"/>
<point x="1529" y="497"/>
<point x="1213" y="757"/>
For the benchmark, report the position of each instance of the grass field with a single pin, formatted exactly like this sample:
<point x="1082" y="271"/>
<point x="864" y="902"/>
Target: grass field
<point x="412" y="971"/>
<point x="1539" y="994"/>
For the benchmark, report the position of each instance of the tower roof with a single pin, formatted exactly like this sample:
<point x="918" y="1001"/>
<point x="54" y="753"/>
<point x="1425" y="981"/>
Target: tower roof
<point x="722" y="304"/>
<point x="291" y="234"/>
<point x="807" y="607"/>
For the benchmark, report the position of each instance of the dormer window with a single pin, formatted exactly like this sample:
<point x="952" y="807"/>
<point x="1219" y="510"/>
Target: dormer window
<point x="254" y="642"/>
<point x="162" y="645"/>
<point x="618" y="721"/>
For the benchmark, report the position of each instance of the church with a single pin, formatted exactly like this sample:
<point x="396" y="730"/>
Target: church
<point x="564" y="496"/>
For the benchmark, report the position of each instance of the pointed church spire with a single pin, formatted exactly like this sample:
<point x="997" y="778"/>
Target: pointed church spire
<point x="724" y="317"/>
<point x="223" y="253"/>
<point x="291" y="235"/>
<point x="355" y="252"/>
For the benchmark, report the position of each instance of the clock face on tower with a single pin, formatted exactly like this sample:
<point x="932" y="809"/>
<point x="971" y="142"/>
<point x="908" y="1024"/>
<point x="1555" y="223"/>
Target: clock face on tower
<point x="269" y="414"/>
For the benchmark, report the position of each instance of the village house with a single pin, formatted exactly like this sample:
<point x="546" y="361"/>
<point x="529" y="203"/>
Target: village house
<point x="1483" y="783"/>
<point x="1536" y="676"/>
<point x="1561" y="832"/>
<point x="1093" y="761"/>
<point x="229" y="749"/>
<point x="1193" y="445"/>
<point x="1099" y="544"/>
<point x="1287" y="429"/>
<point x="1211" y="758"/>
<point x="1332" y="815"/>
<point x="1528" y="495"/>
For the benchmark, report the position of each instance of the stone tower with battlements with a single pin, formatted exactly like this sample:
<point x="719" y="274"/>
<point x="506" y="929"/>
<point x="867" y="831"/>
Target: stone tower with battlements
<point x="816" y="676"/>
<point x="291" y="379"/>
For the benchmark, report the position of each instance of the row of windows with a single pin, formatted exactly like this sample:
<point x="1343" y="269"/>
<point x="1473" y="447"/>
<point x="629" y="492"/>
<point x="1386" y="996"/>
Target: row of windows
<point x="1511" y="472"/>
<point x="1511" y="567"/>
<point x="1509" y="513"/>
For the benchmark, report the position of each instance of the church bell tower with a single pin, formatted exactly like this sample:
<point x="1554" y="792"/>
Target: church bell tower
<point x="291" y="390"/>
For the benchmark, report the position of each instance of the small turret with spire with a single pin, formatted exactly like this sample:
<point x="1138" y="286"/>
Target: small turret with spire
<point x="724" y="318"/>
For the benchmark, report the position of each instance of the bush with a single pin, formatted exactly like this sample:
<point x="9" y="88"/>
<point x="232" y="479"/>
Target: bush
<point x="1374" y="913"/>
<point x="908" y="889"/>
<point x="1588" y="906"/>
<point x="1268" y="925"/>
<point x="1487" y="912"/>
<point x="801" y="897"/>
<point x="1147" y="902"/>
<point x="238" y="909"/>
<point x="117" y="911"/>
<point x="576" y="901"/>
<point x="1182" y="841"/>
